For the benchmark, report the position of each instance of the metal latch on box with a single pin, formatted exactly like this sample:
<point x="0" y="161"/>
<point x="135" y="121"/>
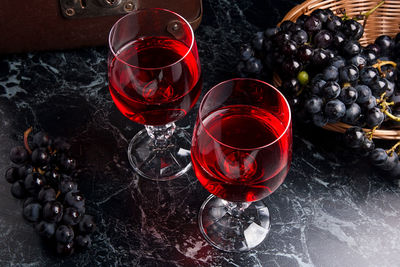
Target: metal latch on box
<point x="95" y="8"/>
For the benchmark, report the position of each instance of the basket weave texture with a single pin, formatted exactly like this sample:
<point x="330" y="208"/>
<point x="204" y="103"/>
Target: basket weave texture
<point x="385" y="20"/>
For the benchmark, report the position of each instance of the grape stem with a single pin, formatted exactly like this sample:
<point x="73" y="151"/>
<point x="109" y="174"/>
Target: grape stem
<point x="381" y="63"/>
<point x="26" y="135"/>
<point x="393" y="149"/>
<point x="342" y="11"/>
<point x="390" y="115"/>
<point x="301" y="91"/>
<point x="346" y="85"/>
<point x="368" y="13"/>
<point x="362" y="16"/>
<point x="382" y="101"/>
<point x="370" y="134"/>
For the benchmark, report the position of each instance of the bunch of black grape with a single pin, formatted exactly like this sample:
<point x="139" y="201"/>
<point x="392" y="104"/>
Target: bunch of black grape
<point x="326" y="74"/>
<point x="361" y="142"/>
<point x="44" y="177"/>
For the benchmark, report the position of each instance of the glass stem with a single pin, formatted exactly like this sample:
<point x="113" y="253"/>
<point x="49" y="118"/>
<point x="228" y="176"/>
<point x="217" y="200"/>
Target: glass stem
<point x="235" y="209"/>
<point x="161" y="134"/>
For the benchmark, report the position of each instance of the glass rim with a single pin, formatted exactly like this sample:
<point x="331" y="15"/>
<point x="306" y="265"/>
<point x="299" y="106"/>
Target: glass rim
<point x="112" y="30"/>
<point x="245" y="79"/>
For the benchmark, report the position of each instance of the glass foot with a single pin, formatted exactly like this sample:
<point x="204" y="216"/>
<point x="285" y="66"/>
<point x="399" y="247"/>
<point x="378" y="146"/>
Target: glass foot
<point x="236" y="228"/>
<point x="160" y="163"/>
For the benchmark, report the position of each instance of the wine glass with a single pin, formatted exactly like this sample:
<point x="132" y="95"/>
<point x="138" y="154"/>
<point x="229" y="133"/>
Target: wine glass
<point x="155" y="79"/>
<point x="241" y="153"/>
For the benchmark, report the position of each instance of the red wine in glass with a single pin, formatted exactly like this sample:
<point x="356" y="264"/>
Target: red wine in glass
<point x="155" y="79"/>
<point x="149" y="95"/>
<point x="241" y="175"/>
<point x="241" y="153"/>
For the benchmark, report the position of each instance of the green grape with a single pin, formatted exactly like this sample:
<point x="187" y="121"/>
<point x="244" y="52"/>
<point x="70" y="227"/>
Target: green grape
<point x="303" y="77"/>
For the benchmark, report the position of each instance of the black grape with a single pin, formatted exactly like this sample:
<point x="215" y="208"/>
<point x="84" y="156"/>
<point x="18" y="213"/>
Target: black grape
<point x="300" y="37"/>
<point x="353" y="113"/>
<point x="335" y="109"/>
<point x="12" y="175"/>
<point x="378" y="156"/>
<point x="351" y="48"/>
<point x="363" y="93"/>
<point x="348" y="95"/>
<point x="385" y="43"/>
<point x="348" y="74"/>
<point x="331" y="90"/>
<point x="19" y="155"/>
<point x="334" y="24"/>
<point x="314" y="104"/>
<point x="323" y="39"/>
<point x="312" y="24"/>
<point x="352" y="29"/>
<point x="330" y="73"/>
<point x="374" y="117"/>
<point x="354" y="137"/>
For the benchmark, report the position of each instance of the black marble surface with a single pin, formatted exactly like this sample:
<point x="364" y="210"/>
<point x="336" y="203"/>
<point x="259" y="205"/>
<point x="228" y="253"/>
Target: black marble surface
<point x="332" y="210"/>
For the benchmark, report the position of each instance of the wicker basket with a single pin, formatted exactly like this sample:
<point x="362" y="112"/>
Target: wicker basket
<point x="385" y="20"/>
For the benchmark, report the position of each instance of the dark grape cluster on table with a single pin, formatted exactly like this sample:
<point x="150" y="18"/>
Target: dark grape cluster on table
<point x="329" y="77"/>
<point x="43" y="175"/>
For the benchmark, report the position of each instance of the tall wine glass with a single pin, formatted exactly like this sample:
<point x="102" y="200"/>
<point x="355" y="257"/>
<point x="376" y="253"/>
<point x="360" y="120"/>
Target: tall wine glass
<point x="155" y="79"/>
<point x="241" y="153"/>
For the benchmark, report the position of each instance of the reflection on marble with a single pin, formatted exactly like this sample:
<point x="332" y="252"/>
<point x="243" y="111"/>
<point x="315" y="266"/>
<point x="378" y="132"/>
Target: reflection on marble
<point x="332" y="210"/>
